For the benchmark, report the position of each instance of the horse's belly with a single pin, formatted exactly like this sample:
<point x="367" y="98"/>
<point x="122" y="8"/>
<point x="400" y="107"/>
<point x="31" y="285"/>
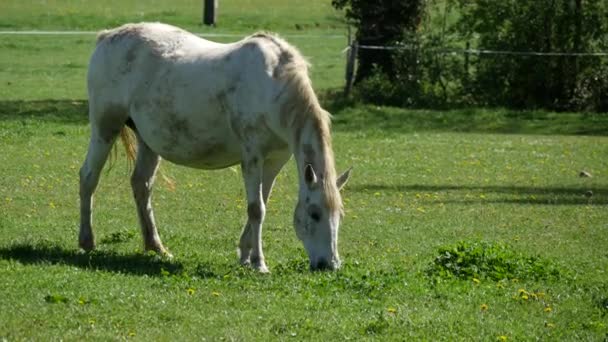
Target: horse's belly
<point x="213" y="155"/>
<point x="194" y="144"/>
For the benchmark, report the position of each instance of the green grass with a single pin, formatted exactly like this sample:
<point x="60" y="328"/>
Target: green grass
<point x="232" y="16"/>
<point x="412" y="193"/>
<point x="424" y="181"/>
<point x="61" y="74"/>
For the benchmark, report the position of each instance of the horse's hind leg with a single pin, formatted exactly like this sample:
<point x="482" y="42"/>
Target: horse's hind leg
<point x="142" y="181"/>
<point x="99" y="147"/>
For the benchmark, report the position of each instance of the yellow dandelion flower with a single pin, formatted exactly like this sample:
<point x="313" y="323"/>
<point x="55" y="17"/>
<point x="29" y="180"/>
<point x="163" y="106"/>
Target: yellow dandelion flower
<point x="483" y="307"/>
<point x="215" y="294"/>
<point x="131" y="333"/>
<point x="191" y="291"/>
<point x="476" y="281"/>
<point x="524" y="297"/>
<point x="548" y="309"/>
<point x="501" y="338"/>
<point x="549" y="325"/>
<point x="391" y="310"/>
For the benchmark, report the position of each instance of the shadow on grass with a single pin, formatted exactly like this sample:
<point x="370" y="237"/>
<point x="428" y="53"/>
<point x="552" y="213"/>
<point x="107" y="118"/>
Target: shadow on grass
<point x="513" y="194"/>
<point x="137" y="264"/>
<point x="61" y="111"/>
<point x="349" y="115"/>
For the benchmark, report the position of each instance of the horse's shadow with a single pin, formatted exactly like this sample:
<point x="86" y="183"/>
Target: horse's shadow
<point x="592" y="195"/>
<point x="137" y="264"/>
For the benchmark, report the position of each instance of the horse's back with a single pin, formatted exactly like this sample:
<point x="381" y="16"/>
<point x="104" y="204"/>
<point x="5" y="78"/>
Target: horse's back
<point x="187" y="97"/>
<point x="129" y="59"/>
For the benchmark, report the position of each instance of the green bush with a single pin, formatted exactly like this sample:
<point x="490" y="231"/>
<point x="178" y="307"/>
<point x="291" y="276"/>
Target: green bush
<point x="380" y="23"/>
<point x="555" y="82"/>
<point x="424" y="75"/>
<point x="483" y="260"/>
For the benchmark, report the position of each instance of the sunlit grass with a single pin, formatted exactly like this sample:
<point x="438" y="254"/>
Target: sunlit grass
<point x="411" y="194"/>
<point x="232" y="16"/>
<point x="423" y="182"/>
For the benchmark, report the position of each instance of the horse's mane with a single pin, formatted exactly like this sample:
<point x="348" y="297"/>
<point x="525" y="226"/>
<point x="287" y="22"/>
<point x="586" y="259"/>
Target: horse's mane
<point x="301" y="104"/>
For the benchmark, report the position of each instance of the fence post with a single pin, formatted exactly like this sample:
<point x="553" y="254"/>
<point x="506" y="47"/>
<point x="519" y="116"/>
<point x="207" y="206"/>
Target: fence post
<point x="351" y="57"/>
<point x="209" y="12"/>
<point x="350" y="67"/>
<point x="466" y="61"/>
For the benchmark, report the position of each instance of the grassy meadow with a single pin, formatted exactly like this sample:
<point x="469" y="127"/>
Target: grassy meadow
<point x="467" y="224"/>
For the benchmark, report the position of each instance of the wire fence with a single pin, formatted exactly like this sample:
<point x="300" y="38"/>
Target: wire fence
<point x="353" y="48"/>
<point x="486" y="51"/>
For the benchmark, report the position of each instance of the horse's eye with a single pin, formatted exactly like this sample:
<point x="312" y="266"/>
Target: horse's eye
<point x="315" y="216"/>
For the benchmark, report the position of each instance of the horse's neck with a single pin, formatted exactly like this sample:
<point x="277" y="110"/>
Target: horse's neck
<point x="310" y="148"/>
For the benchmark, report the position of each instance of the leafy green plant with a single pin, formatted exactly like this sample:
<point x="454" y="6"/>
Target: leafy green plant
<point x="55" y="299"/>
<point x="118" y="237"/>
<point x="494" y="261"/>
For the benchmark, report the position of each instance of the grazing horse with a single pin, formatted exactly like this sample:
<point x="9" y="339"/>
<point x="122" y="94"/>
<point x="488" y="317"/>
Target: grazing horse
<point x="209" y="106"/>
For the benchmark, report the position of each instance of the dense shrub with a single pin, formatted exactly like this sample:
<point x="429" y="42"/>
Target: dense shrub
<point x="380" y="23"/>
<point x="424" y="74"/>
<point x="556" y="82"/>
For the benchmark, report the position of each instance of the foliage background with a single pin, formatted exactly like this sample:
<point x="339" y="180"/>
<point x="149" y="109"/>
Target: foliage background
<point x="425" y="73"/>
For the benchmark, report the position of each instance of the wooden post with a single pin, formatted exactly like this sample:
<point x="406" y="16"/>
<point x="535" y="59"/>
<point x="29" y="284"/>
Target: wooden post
<point x="351" y="58"/>
<point x="210" y="12"/>
<point x="466" y="61"/>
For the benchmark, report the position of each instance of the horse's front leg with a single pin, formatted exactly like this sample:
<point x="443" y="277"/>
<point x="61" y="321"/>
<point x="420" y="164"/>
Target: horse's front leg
<point x="250" y="246"/>
<point x="270" y="169"/>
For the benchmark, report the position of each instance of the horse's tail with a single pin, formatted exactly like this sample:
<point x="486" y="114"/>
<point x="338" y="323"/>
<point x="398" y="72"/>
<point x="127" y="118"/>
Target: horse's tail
<point x="128" y="141"/>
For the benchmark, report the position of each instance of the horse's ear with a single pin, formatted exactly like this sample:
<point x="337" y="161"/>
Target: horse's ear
<point x="310" y="176"/>
<point x="343" y="178"/>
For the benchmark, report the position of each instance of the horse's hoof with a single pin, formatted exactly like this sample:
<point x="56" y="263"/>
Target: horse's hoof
<point x="262" y="269"/>
<point x="87" y="245"/>
<point x="167" y="255"/>
<point x="244" y="255"/>
<point x="260" y="266"/>
<point x="160" y="251"/>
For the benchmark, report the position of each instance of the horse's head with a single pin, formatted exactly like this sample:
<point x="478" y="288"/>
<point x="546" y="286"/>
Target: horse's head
<point x="317" y="219"/>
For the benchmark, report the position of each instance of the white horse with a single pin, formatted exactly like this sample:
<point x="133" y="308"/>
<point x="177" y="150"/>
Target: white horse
<point x="208" y="105"/>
